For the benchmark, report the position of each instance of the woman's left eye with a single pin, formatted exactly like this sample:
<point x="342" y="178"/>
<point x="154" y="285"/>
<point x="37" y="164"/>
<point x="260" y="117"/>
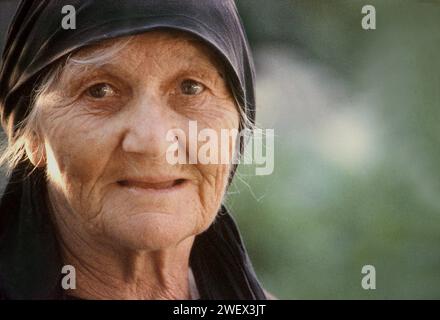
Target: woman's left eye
<point x="191" y="87"/>
<point x="100" y="91"/>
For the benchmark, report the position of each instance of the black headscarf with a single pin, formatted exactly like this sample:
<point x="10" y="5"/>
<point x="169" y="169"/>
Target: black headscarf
<point x="30" y="262"/>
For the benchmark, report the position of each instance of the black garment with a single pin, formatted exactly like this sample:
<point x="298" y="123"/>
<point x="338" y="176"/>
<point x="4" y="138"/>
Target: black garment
<point x="30" y="263"/>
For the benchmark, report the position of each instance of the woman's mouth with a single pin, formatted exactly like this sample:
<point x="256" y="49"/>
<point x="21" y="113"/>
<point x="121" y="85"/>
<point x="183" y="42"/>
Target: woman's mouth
<point x="152" y="185"/>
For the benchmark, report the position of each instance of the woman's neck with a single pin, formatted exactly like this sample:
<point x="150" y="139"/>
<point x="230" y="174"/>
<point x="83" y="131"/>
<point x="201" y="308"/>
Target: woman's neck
<point x="137" y="275"/>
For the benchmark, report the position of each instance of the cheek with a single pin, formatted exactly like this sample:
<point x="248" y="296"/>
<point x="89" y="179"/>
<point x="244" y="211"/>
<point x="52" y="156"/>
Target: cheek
<point x="77" y="153"/>
<point x="218" y="115"/>
<point x="213" y="187"/>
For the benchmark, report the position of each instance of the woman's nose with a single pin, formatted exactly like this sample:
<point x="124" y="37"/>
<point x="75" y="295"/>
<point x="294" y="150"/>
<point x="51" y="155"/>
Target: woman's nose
<point x="146" y="128"/>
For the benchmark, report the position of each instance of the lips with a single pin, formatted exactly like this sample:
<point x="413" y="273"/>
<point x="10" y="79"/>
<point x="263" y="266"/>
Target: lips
<point x="151" y="184"/>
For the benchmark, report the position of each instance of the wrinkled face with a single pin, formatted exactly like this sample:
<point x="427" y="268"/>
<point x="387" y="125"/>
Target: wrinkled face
<point x="103" y="131"/>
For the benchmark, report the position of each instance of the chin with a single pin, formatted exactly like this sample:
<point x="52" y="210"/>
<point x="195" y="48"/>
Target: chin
<point x="150" y="230"/>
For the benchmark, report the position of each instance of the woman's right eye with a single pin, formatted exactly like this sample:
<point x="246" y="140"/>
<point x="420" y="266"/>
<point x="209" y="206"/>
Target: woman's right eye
<point x="101" y="91"/>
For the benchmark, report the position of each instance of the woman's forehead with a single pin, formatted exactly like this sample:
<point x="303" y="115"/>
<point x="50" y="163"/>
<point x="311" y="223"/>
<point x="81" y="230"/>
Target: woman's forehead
<point x="170" y="46"/>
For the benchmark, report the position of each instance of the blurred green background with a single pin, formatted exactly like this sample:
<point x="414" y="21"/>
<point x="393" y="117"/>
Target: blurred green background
<point x="357" y="148"/>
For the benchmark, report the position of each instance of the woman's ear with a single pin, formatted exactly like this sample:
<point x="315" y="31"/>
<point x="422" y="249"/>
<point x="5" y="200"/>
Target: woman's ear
<point x="35" y="150"/>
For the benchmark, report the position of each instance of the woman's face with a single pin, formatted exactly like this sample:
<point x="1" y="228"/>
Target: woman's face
<point x="103" y="132"/>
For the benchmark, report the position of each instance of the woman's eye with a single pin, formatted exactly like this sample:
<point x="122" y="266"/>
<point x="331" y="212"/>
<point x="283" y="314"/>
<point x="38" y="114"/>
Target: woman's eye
<point x="191" y="87"/>
<point x="100" y="91"/>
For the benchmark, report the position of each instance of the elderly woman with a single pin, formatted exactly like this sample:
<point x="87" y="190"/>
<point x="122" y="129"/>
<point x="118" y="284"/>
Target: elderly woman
<point x="87" y="109"/>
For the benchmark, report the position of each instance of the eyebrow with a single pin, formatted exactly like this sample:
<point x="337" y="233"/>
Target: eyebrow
<point x="84" y="71"/>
